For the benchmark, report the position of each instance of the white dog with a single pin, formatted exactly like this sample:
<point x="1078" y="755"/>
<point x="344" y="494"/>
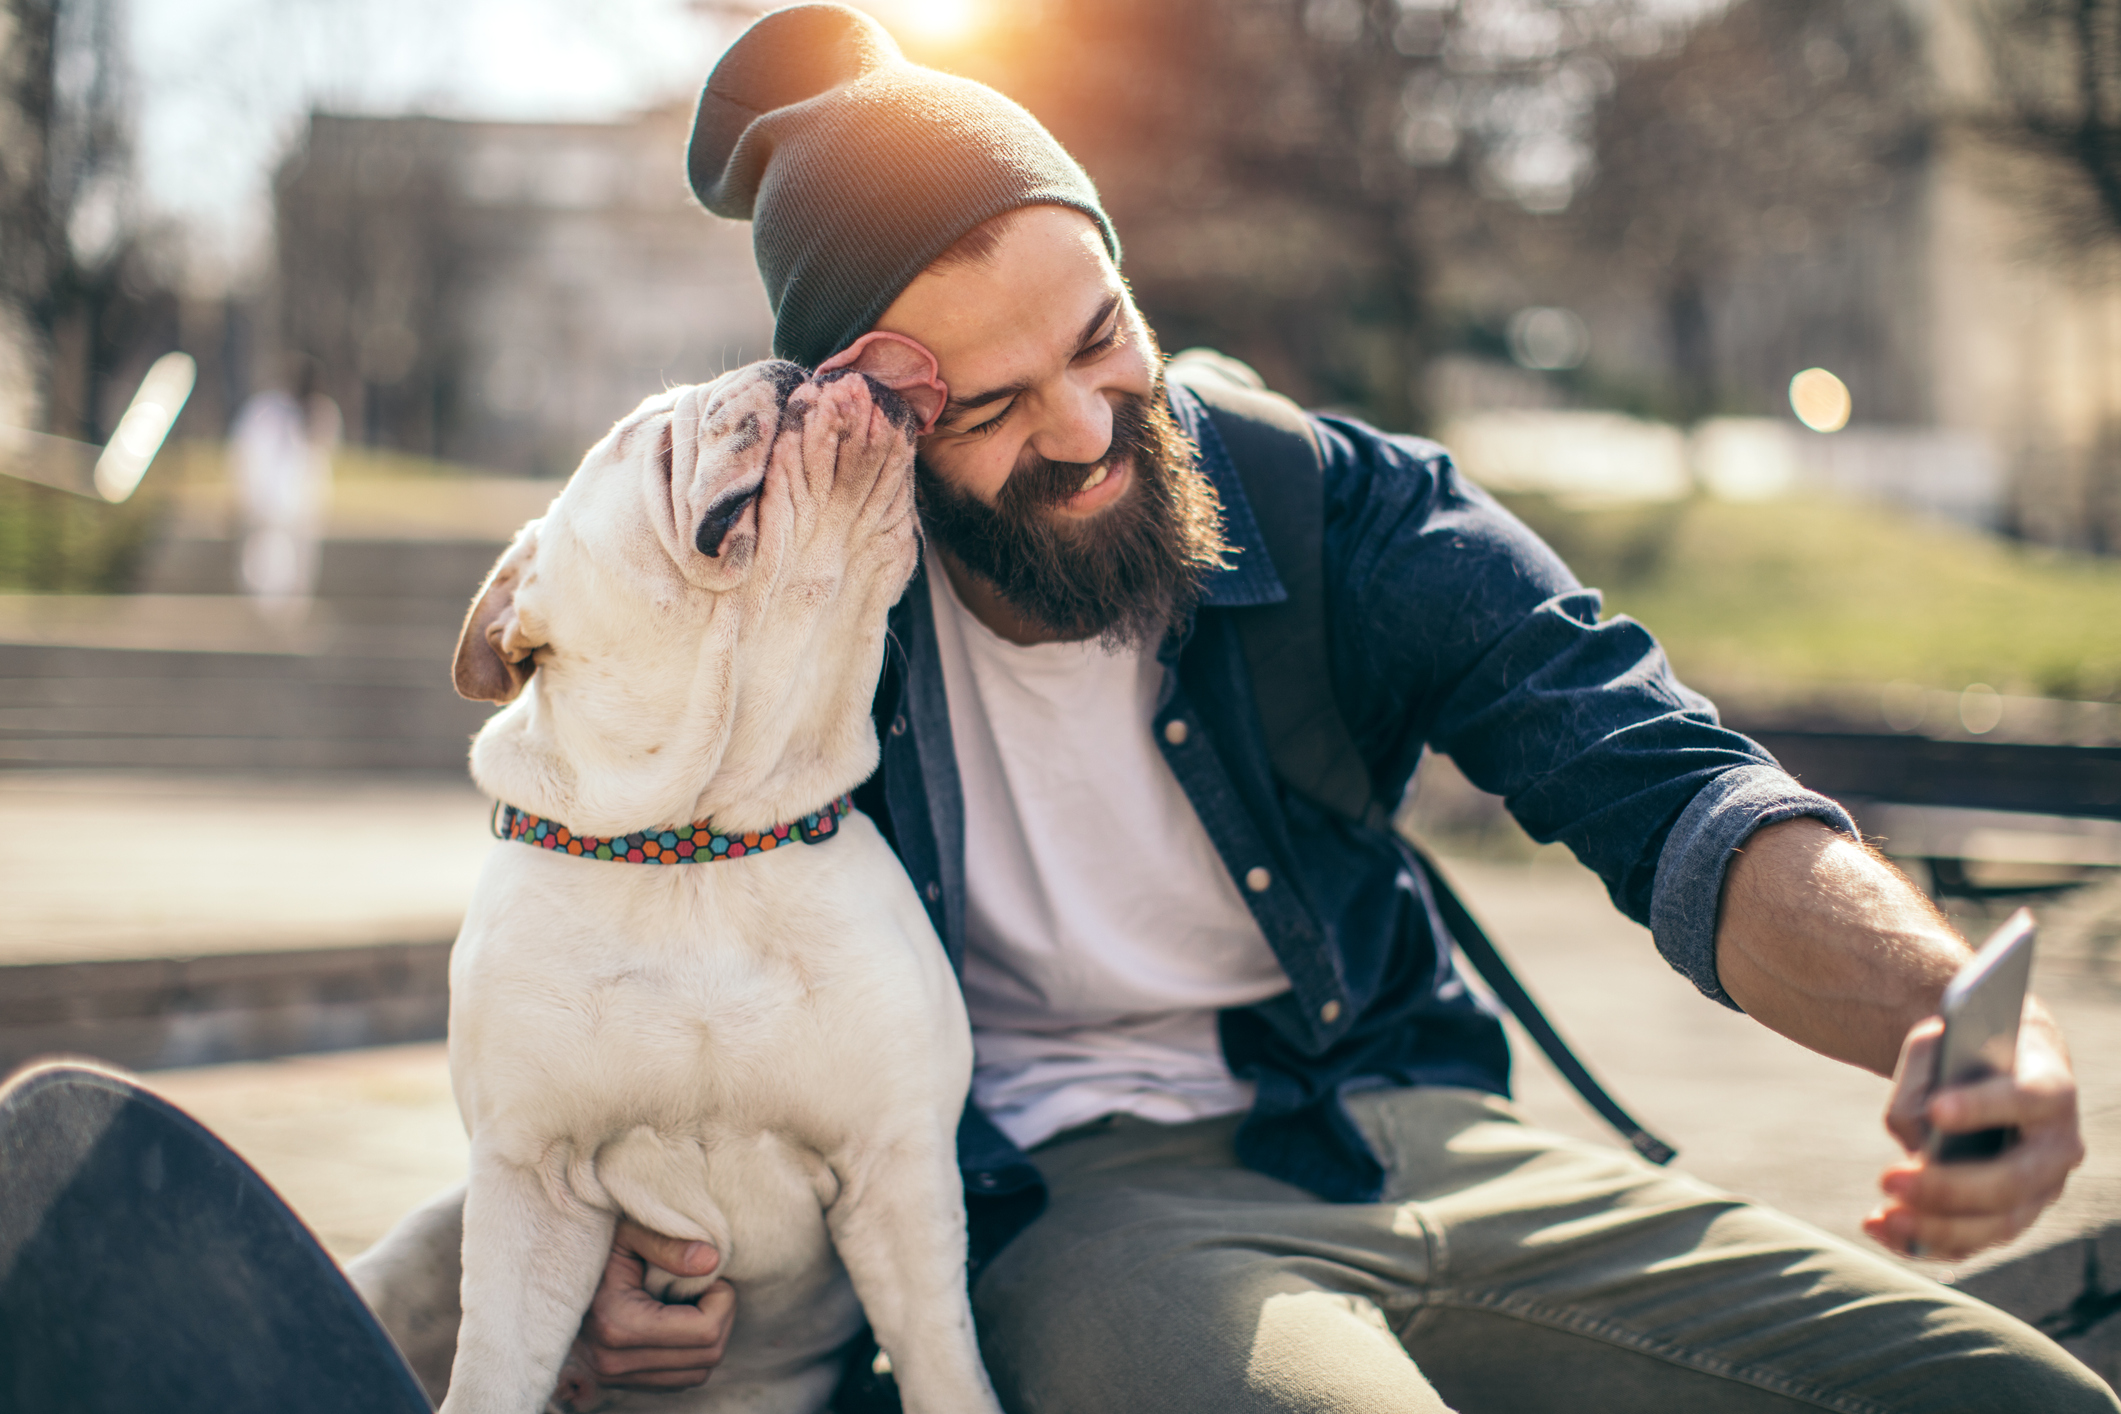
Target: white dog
<point x="766" y="1051"/>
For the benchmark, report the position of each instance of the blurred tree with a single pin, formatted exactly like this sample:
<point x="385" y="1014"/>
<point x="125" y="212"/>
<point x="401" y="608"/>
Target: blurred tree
<point x="1279" y="169"/>
<point x="1765" y="134"/>
<point x="80" y="301"/>
<point x="2057" y="71"/>
<point x="369" y="233"/>
<point x="26" y="245"/>
<point x="110" y="309"/>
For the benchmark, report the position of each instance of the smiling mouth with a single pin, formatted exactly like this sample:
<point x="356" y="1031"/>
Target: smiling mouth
<point x="1104" y="483"/>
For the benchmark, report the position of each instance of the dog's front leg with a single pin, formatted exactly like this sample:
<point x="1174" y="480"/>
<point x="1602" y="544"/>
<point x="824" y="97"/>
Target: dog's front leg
<point x="899" y="1226"/>
<point x="533" y="1252"/>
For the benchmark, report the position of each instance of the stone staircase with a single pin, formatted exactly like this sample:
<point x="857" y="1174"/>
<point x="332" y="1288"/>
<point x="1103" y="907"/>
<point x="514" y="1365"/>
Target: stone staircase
<point x="188" y="675"/>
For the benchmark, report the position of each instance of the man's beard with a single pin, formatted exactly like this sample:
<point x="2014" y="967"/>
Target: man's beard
<point x="1120" y="576"/>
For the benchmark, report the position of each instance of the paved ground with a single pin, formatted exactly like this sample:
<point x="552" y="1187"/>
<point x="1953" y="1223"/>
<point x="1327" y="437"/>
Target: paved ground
<point x="100" y="865"/>
<point x="351" y="1141"/>
<point x="354" y="1139"/>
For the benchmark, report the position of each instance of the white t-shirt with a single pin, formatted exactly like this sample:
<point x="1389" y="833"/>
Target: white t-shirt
<point x="1102" y="931"/>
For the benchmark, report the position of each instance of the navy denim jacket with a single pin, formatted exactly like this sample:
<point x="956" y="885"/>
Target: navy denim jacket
<point x="1452" y="627"/>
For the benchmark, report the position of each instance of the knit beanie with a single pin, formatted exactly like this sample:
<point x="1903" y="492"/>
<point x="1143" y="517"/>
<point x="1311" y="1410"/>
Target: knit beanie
<point x="857" y="168"/>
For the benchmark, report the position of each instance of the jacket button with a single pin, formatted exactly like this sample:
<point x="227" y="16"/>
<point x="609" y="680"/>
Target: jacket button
<point x="1258" y="880"/>
<point x="934" y="891"/>
<point x="1329" y="1013"/>
<point x="1175" y="732"/>
<point x="983" y="1180"/>
<point x="898" y="725"/>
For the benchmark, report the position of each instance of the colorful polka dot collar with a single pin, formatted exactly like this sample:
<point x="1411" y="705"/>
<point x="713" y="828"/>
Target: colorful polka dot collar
<point x="697" y="843"/>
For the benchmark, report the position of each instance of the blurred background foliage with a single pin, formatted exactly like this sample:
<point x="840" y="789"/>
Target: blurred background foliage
<point x="54" y="542"/>
<point x="1745" y="595"/>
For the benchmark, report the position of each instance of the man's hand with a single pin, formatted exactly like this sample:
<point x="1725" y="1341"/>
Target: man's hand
<point x="631" y="1340"/>
<point x="1953" y="1210"/>
<point x="1823" y="940"/>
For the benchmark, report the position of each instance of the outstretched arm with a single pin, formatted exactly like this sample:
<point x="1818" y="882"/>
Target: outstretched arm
<point x="1820" y="939"/>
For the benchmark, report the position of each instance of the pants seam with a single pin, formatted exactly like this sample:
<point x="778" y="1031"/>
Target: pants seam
<point x="1580" y="1324"/>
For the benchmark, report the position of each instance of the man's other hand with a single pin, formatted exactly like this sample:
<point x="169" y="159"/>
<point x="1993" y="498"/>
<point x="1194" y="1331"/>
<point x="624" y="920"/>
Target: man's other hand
<point x="1949" y="1211"/>
<point x="630" y="1340"/>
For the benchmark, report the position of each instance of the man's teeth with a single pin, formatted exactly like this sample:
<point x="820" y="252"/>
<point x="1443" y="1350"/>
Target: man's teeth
<point x="1095" y="478"/>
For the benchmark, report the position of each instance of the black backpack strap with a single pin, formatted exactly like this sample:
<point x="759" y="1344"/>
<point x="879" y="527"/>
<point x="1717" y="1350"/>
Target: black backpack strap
<point x="1480" y="950"/>
<point x="1278" y="460"/>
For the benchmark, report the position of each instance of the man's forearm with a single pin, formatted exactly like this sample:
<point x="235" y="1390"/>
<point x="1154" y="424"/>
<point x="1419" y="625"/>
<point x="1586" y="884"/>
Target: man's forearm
<point x="1819" y="939"/>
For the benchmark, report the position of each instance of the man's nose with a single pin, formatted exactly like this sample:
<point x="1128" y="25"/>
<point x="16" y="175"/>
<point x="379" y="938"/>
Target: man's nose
<point x="1077" y="426"/>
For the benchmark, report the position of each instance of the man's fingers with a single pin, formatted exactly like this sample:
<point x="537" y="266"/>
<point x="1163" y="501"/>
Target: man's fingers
<point x="1999" y="1102"/>
<point x="674" y="1255"/>
<point x="623" y="1319"/>
<point x="630" y="1370"/>
<point x="718" y="1305"/>
<point x="2033" y="1171"/>
<point x="1905" y="1114"/>
<point x="1946" y="1238"/>
<point x="675" y="1366"/>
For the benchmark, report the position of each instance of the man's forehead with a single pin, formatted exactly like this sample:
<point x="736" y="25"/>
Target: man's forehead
<point x="1012" y="314"/>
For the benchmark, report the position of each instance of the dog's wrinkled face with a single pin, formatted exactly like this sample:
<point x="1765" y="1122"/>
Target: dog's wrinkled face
<point x="702" y="609"/>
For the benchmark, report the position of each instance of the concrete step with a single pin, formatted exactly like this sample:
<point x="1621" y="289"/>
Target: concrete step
<point x="152" y="1013"/>
<point x="444" y="570"/>
<point x="115" y="707"/>
<point x="193" y="676"/>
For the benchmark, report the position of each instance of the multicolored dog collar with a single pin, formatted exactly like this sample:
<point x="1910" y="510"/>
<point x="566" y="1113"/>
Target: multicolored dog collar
<point x="697" y="843"/>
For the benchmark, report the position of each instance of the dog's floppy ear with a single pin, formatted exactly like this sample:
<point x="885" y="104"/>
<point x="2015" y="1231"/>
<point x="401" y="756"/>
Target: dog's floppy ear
<point x="900" y="364"/>
<point x="493" y="652"/>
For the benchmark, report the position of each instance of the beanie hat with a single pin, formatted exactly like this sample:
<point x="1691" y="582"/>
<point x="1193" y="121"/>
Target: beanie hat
<point x="857" y="168"/>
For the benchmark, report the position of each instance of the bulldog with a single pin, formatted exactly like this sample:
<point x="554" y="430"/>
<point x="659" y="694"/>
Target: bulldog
<point x="694" y="987"/>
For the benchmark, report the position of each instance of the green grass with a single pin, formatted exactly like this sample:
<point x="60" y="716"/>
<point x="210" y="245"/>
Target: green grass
<point x="1820" y="591"/>
<point x="55" y="543"/>
<point x="52" y="542"/>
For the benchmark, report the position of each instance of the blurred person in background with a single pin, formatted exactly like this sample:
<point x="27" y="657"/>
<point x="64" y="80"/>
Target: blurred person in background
<point x="282" y="445"/>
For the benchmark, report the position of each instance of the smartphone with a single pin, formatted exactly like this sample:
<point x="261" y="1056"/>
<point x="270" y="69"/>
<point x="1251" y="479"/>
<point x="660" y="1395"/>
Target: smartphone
<point x="1981" y="1009"/>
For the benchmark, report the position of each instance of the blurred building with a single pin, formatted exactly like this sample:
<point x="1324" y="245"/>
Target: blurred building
<point x="499" y="293"/>
<point x="1830" y="183"/>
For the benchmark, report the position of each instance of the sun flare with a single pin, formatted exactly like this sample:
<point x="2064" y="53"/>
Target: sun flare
<point x="939" y="21"/>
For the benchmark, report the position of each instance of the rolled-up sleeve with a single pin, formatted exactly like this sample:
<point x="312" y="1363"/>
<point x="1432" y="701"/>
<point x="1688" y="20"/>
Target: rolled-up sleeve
<point x="1722" y="816"/>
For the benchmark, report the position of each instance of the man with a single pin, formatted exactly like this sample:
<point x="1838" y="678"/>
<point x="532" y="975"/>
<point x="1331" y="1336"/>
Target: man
<point x="1237" y="1138"/>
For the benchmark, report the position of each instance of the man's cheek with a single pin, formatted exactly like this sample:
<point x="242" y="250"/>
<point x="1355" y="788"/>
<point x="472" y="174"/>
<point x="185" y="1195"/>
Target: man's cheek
<point x="971" y="471"/>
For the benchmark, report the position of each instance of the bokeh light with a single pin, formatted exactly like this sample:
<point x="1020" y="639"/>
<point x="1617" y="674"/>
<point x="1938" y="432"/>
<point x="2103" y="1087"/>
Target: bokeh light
<point x="1548" y="338"/>
<point x="1820" y="400"/>
<point x="938" y="21"/>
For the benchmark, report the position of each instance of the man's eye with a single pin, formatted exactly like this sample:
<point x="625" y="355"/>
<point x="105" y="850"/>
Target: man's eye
<point x="1112" y="340"/>
<point x="991" y="423"/>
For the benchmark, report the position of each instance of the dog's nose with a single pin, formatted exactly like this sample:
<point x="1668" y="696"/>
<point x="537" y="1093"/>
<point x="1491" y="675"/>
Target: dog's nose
<point x="785" y="377"/>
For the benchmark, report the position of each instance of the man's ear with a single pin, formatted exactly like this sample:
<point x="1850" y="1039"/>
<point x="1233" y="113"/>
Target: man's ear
<point x="903" y="366"/>
<point x="494" y="654"/>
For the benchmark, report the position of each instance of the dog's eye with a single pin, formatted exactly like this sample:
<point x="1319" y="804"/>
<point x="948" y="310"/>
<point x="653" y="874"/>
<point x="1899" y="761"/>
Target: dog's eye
<point x="724" y="513"/>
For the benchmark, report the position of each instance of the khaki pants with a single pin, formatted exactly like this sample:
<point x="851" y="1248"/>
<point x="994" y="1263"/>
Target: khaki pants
<point x="1508" y="1269"/>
